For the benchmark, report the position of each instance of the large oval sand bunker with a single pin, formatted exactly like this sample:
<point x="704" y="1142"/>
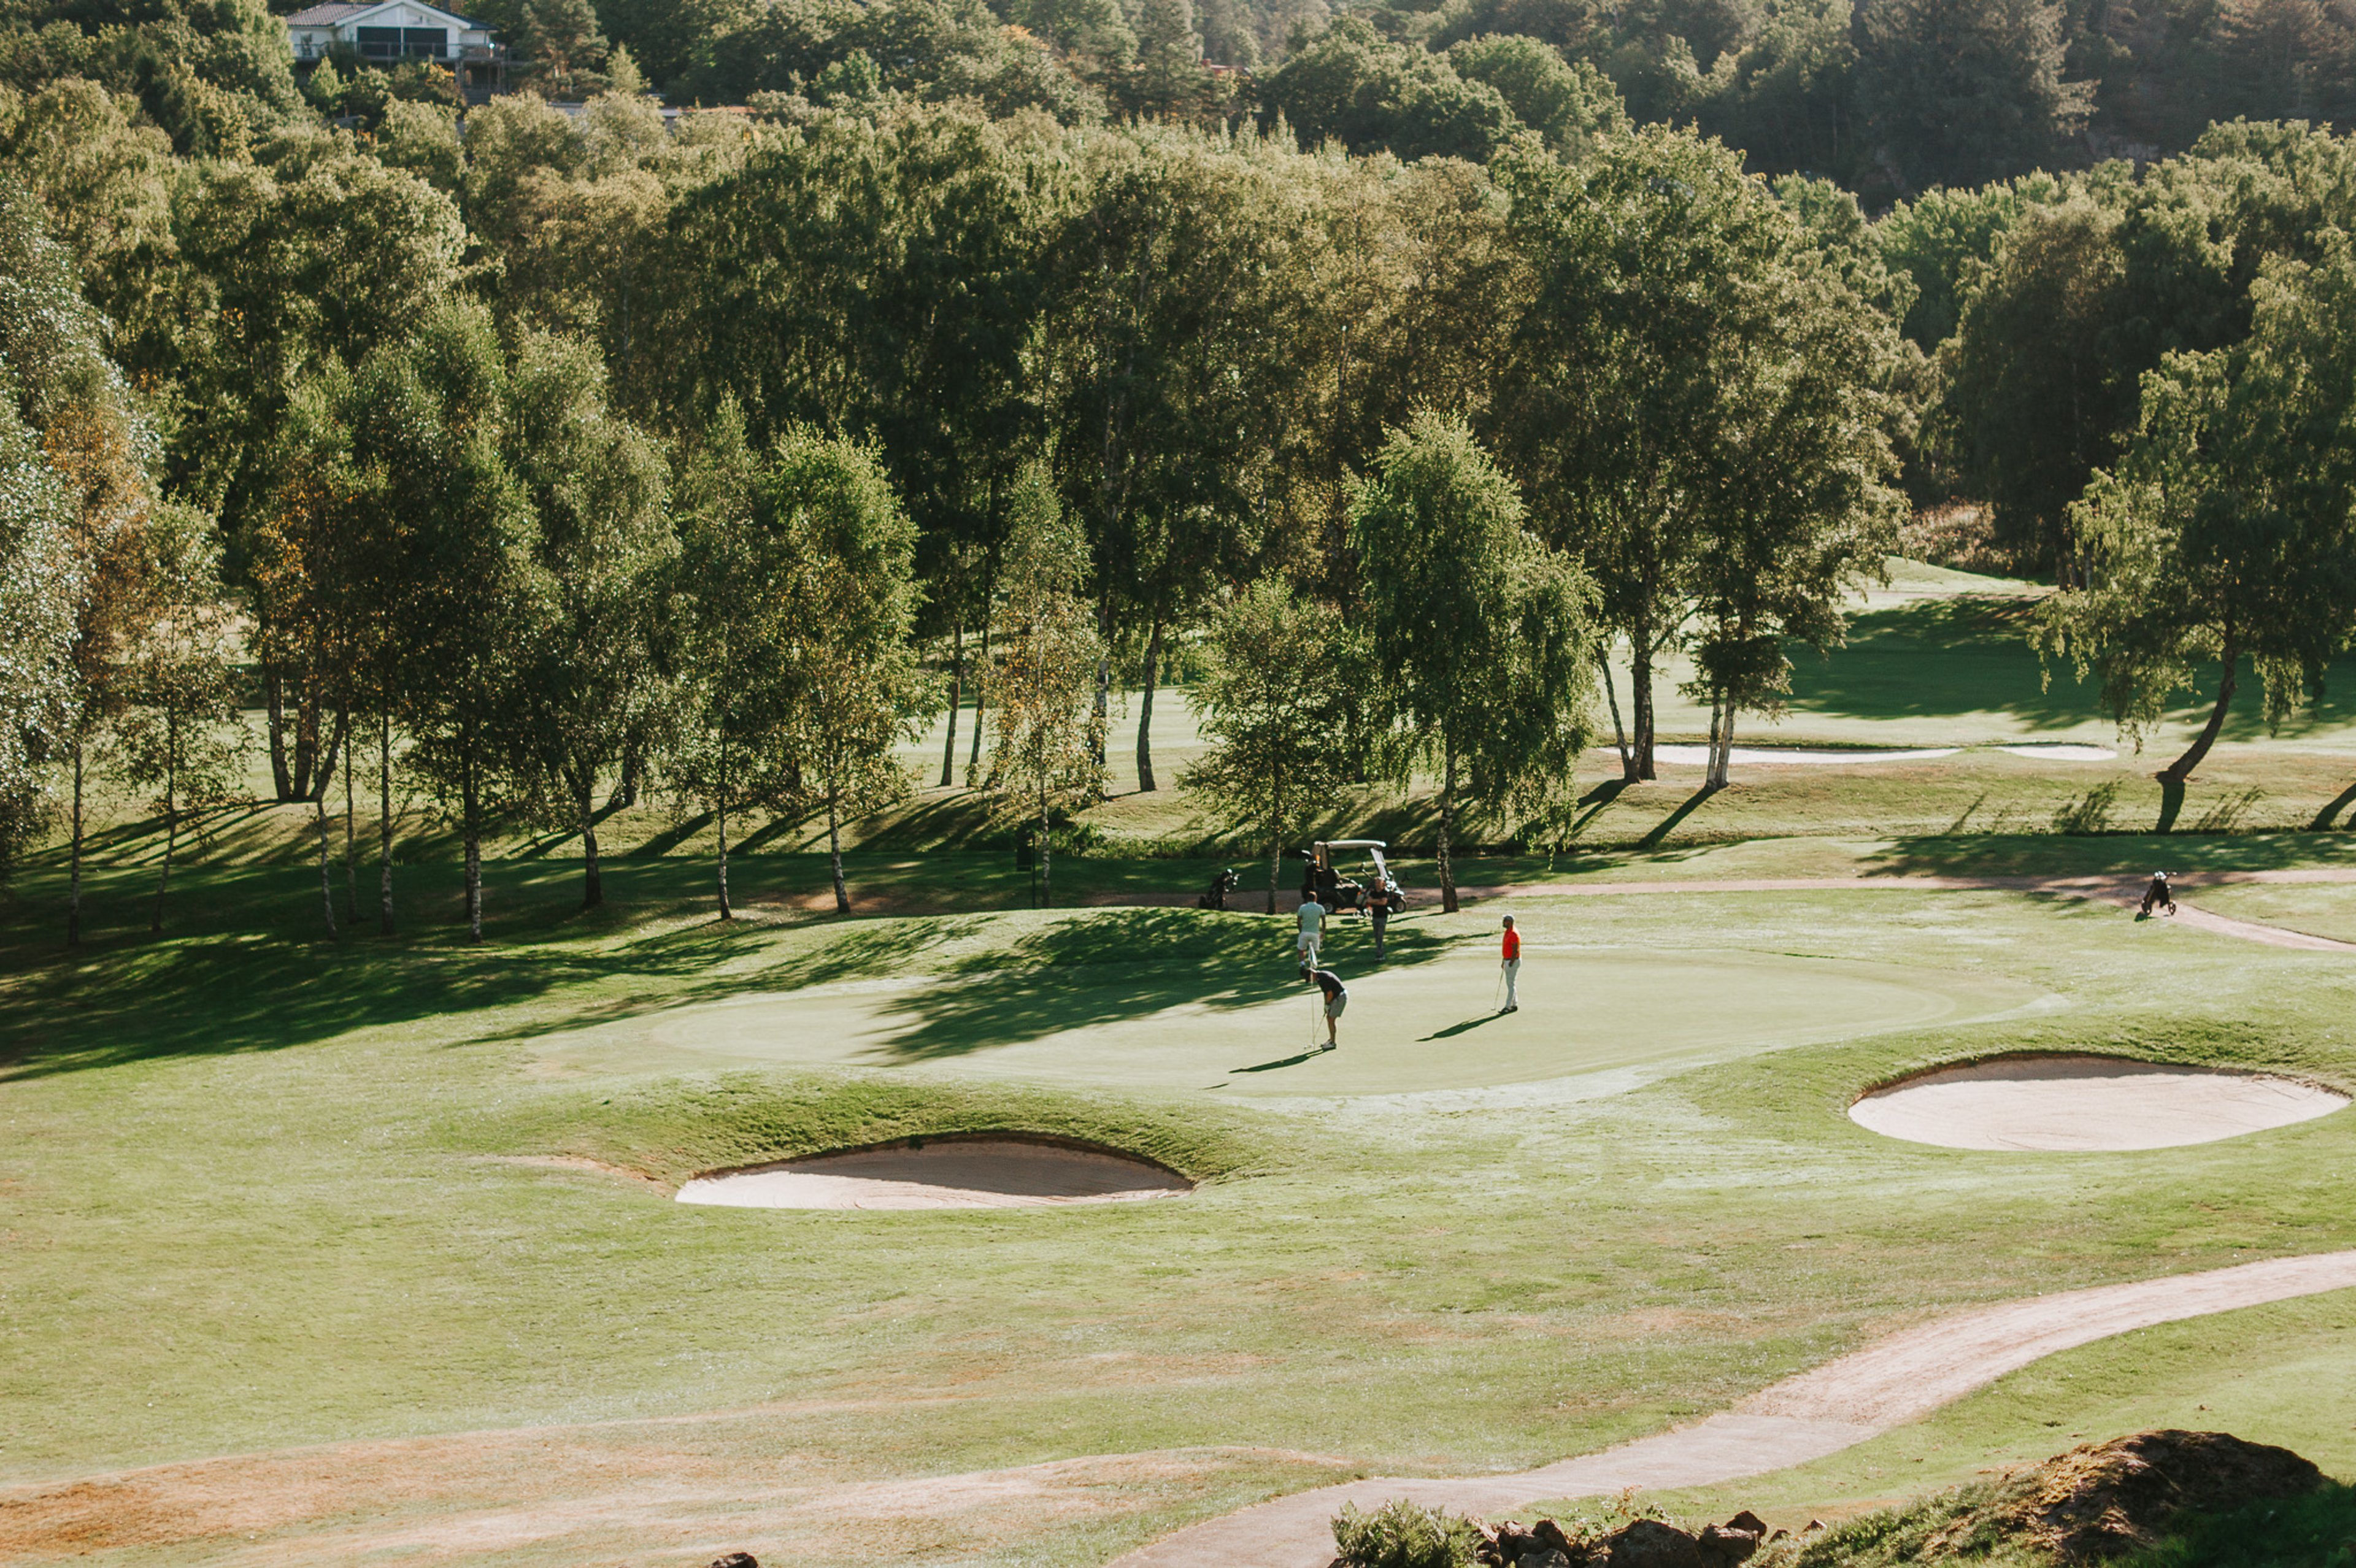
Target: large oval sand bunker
<point x="2064" y="1102"/>
<point x="960" y="1172"/>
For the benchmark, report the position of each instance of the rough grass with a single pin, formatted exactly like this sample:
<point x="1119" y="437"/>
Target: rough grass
<point x="246" y="1206"/>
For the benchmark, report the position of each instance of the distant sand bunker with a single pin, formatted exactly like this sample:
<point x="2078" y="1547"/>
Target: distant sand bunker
<point x="2087" y="1102"/>
<point x="942" y="1173"/>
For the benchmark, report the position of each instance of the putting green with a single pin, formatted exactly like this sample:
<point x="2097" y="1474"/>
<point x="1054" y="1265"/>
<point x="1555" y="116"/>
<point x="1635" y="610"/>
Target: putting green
<point x="1414" y="1027"/>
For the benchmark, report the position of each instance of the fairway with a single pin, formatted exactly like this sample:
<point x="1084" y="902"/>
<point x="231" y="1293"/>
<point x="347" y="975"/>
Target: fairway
<point x="1417" y="1027"/>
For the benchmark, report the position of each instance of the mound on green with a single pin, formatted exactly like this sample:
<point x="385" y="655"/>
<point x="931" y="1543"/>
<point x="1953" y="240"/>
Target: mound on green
<point x="671" y="1131"/>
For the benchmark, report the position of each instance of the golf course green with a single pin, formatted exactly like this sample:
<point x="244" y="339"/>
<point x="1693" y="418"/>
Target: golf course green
<point x="1409" y="1028"/>
<point x="378" y="1240"/>
<point x="369" y="1249"/>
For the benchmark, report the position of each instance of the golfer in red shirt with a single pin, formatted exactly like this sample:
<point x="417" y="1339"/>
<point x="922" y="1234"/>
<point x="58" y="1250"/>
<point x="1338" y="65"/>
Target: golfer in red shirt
<point x="1512" y="965"/>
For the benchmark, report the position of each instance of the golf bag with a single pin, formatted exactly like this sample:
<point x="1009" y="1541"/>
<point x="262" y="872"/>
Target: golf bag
<point x="1216" y="896"/>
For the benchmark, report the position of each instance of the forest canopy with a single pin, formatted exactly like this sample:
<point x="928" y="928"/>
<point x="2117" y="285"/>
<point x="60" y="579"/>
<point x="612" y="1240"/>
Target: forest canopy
<point x="467" y="414"/>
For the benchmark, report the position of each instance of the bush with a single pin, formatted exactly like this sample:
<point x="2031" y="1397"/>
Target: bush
<point x="1401" y="1534"/>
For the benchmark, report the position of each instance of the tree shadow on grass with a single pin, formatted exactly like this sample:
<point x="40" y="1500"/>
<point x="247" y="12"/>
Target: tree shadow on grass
<point x="244" y="966"/>
<point x="1115" y="966"/>
<point x="246" y="969"/>
<point x="1670" y="823"/>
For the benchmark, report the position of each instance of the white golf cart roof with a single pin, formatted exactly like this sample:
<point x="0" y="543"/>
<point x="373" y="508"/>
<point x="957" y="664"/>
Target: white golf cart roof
<point x="1354" y="844"/>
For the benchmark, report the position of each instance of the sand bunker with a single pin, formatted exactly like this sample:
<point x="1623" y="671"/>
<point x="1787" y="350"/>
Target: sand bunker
<point x="942" y="1173"/>
<point x="2085" y="1103"/>
<point x="1698" y="756"/>
<point x="2050" y="750"/>
<point x="2061" y="751"/>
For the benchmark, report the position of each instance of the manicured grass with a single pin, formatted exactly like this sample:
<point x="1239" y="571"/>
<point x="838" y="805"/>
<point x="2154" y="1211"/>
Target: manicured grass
<point x="263" y="1191"/>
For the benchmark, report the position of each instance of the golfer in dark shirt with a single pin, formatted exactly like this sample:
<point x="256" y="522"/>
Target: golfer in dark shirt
<point x="1336" y="998"/>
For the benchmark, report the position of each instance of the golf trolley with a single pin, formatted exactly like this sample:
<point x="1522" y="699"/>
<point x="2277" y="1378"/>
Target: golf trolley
<point x="1215" y="895"/>
<point x="2159" y="896"/>
<point x="1321" y="878"/>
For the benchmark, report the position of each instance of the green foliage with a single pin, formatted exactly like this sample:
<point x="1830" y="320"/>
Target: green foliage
<point x="2228" y="527"/>
<point x="1481" y="633"/>
<point x="1047" y="754"/>
<point x="1966" y="91"/>
<point x="1568" y="103"/>
<point x="588" y="698"/>
<point x="1354" y="86"/>
<point x="1280" y="703"/>
<point x="1401" y="1534"/>
<point x="844" y="614"/>
<point x="1941" y="238"/>
<point x="40" y="578"/>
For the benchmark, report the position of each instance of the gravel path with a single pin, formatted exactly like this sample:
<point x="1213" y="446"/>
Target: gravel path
<point x="1807" y="1417"/>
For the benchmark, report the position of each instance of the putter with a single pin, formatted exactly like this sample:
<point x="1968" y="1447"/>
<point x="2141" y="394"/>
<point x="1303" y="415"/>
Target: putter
<point x="1497" y="991"/>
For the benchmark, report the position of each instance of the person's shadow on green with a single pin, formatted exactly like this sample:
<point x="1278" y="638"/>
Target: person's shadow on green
<point x="1468" y="1025"/>
<point x="1287" y="1061"/>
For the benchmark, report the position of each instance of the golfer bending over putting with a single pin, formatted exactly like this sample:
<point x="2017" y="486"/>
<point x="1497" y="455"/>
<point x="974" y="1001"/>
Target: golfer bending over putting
<point x="1512" y="965"/>
<point x="1312" y="931"/>
<point x="1336" y="998"/>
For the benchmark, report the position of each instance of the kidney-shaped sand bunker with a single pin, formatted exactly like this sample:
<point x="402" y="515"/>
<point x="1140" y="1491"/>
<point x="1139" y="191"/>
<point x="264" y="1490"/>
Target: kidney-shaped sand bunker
<point x="962" y="1171"/>
<point x="2064" y="1102"/>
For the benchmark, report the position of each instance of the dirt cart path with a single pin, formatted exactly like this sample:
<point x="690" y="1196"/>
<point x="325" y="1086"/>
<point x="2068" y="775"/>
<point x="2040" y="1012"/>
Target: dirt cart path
<point x="1802" y="1418"/>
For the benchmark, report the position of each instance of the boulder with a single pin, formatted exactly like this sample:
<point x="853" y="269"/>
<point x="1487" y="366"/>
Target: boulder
<point x="1747" y="1520"/>
<point x="1551" y="1534"/>
<point x="1722" y="1546"/>
<point x="736" y="1560"/>
<point x="1649" y="1543"/>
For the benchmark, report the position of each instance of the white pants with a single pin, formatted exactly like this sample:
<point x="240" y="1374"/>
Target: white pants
<point x="1513" y="974"/>
<point x="1307" y="946"/>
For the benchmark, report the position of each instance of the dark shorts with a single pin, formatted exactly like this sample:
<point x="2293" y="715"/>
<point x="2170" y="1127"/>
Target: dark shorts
<point x="1335" y="1003"/>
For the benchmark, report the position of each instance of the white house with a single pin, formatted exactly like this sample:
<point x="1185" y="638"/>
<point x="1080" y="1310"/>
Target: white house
<point x="388" y="31"/>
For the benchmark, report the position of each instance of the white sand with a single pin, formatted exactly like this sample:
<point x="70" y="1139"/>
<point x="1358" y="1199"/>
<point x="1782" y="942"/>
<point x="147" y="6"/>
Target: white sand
<point x="1825" y="756"/>
<point x="955" y="1173"/>
<point x="2065" y="1102"/>
<point x="1698" y="756"/>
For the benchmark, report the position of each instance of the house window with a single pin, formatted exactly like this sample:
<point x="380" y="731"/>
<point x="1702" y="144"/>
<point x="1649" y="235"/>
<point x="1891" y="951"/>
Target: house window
<point x="425" y="43"/>
<point x="379" y="43"/>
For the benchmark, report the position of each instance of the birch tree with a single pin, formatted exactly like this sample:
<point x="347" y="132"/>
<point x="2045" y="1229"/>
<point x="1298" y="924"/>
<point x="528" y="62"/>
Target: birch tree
<point x="1282" y="693"/>
<point x="1484" y="636"/>
<point x="1047" y="755"/>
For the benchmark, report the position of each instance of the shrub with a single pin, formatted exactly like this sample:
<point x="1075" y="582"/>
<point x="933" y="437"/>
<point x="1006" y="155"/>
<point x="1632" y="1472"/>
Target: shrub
<point x="1401" y="1534"/>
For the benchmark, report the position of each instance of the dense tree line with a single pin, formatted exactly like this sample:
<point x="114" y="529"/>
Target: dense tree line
<point x="564" y="457"/>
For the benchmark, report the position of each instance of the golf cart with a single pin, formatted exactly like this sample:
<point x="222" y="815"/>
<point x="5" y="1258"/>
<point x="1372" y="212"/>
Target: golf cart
<point x="1322" y="880"/>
